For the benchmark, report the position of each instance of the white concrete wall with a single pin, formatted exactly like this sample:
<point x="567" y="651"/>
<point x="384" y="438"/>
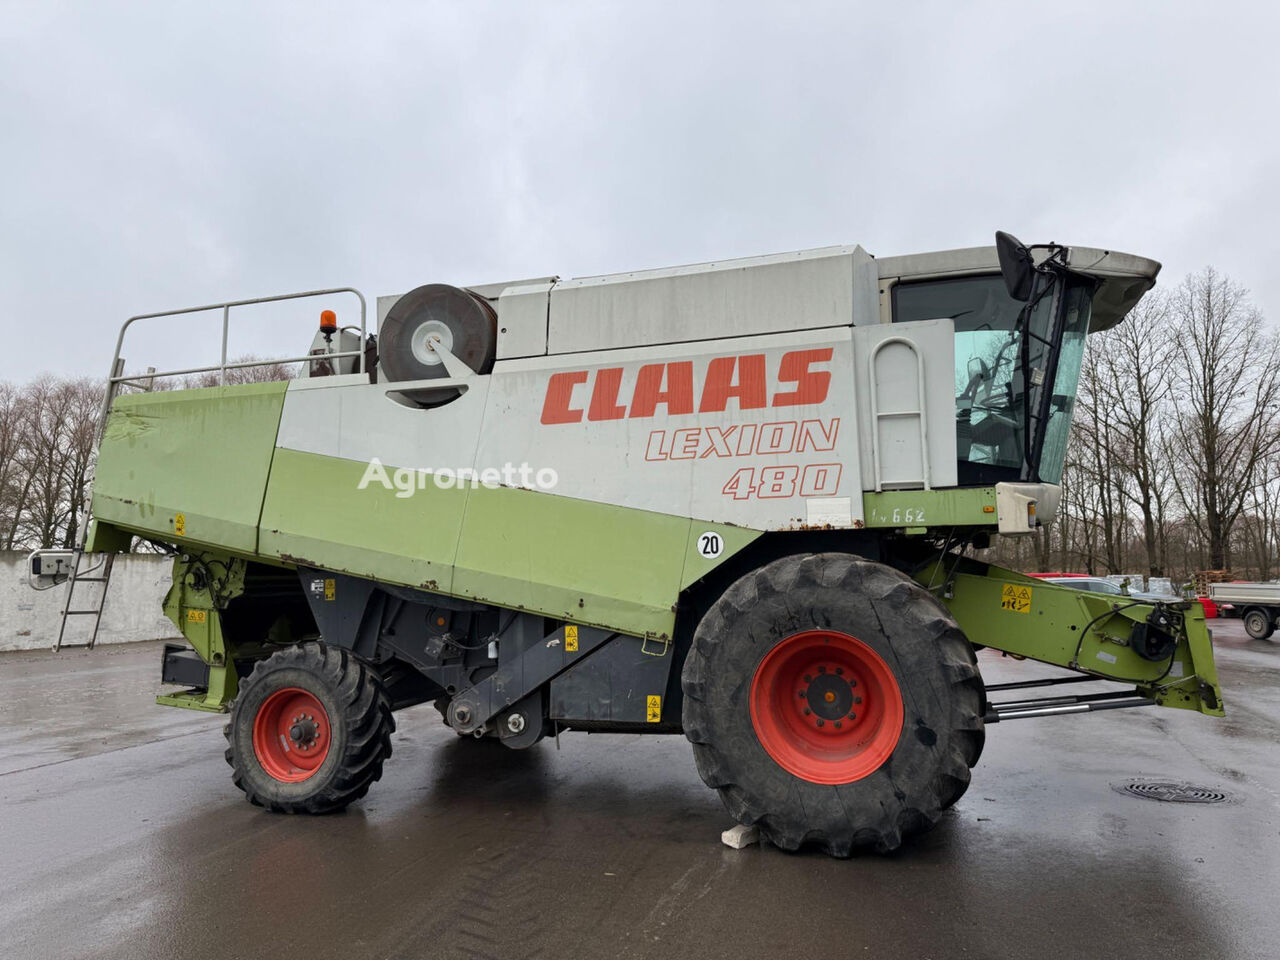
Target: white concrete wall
<point x="29" y="618"/>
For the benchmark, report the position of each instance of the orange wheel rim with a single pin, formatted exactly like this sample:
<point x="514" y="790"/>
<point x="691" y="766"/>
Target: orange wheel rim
<point x="826" y="707"/>
<point x="291" y="735"/>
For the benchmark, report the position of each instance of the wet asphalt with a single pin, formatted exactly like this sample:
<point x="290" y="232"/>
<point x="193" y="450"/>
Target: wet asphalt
<point x="122" y="836"/>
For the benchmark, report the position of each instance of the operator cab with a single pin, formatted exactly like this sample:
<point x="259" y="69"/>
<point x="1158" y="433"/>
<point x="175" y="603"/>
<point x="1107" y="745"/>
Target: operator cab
<point x="1019" y="343"/>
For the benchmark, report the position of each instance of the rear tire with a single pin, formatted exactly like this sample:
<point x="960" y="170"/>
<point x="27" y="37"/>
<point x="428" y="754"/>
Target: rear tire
<point x="1258" y="623"/>
<point x="801" y="638"/>
<point x="309" y="730"/>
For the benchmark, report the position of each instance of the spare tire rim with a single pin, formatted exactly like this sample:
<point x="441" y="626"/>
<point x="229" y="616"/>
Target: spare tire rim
<point x="291" y="735"/>
<point x="826" y="707"/>
<point x="425" y="336"/>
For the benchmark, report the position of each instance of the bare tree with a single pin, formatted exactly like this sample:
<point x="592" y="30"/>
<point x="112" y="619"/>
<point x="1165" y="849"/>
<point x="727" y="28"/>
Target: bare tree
<point x="1258" y="526"/>
<point x="11" y="473"/>
<point x="44" y="461"/>
<point x="264" y="374"/>
<point x="83" y="408"/>
<point x="29" y="412"/>
<point x="1228" y="392"/>
<point x="1096" y="460"/>
<point x="1135" y="379"/>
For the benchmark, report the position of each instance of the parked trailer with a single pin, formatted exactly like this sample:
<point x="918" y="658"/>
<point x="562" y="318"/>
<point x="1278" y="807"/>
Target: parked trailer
<point x="738" y="500"/>
<point x="1256" y="604"/>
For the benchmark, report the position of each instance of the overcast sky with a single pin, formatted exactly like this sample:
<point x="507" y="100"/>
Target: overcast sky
<point x="157" y="156"/>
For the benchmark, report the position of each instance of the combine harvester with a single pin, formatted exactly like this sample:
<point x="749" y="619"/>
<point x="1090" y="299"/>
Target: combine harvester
<point x="737" y="500"/>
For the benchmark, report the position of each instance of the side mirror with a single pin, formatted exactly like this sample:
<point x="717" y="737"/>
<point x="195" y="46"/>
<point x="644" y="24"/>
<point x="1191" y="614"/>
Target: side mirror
<point x="1016" y="266"/>
<point x="978" y="369"/>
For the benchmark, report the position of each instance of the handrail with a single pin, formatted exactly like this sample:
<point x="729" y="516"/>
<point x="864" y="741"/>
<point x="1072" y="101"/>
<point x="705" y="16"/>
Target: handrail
<point x="117" y="376"/>
<point x="225" y="307"/>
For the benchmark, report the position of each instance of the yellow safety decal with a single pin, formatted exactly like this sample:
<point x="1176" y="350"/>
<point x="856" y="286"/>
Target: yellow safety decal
<point x="180" y="524"/>
<point x="571" y="639"/>
<point x="196" y="616"/>
<point x="330" y="589"/>
<point x="1016" y="598"/>
<point x="653" y="710"/>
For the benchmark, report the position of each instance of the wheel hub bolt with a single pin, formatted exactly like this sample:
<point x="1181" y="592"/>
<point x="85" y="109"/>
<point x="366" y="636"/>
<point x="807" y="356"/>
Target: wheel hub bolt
<point x="303" y="731"/>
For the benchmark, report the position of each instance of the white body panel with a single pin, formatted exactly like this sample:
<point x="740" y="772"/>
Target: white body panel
<point x="1243" y="594"/>
<point x="897" y="359"/>
<point x="760" y="467"/>
<point x="759" y="457"/>
<point x="770" y="432"/>
<point x="806" y="290"/>
<point x="522" y="320"/>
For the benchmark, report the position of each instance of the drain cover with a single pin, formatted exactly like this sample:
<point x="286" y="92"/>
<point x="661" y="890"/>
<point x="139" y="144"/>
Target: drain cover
<point x="1172" y="791"/>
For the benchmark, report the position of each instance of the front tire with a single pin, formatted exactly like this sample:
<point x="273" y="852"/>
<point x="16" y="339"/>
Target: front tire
<point x="309" y="730"/>
<point x="806" y="643"/>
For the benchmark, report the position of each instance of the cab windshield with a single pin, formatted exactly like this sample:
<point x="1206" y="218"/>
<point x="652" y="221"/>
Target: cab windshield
<point x="996" y="403"/>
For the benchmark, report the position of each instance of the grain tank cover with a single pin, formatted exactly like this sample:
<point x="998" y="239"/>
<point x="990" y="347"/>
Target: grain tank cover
<point x="805" y="290"/>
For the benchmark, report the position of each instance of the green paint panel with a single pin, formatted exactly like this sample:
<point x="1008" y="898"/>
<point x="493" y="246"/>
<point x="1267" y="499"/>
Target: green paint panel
<point x="196" y="613"/>
<point x="589" y="563"/>
<point x="572" y="559"/>
<point x="202" y="454"/>
<point x="963" y="506"/>
<point x="316" y="515"/>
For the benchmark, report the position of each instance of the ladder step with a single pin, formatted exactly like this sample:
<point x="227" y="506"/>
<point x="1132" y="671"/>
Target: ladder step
<point x="100" y="573"/>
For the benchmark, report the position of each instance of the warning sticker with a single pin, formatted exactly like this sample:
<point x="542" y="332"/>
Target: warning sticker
<point x="330" y="589"/>
<point x="180" y="524"/>
<point x="196" y="616"/>
<point x="571" y="639"/>
<point x="653" y="710"/>
<point x="1016" y="598"/>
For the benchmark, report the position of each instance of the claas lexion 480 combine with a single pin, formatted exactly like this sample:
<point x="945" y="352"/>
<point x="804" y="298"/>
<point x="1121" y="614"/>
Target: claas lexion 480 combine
<point x="738" y="500"/>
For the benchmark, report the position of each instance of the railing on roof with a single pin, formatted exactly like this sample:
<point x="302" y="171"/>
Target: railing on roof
<point x="145" y="381"/>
